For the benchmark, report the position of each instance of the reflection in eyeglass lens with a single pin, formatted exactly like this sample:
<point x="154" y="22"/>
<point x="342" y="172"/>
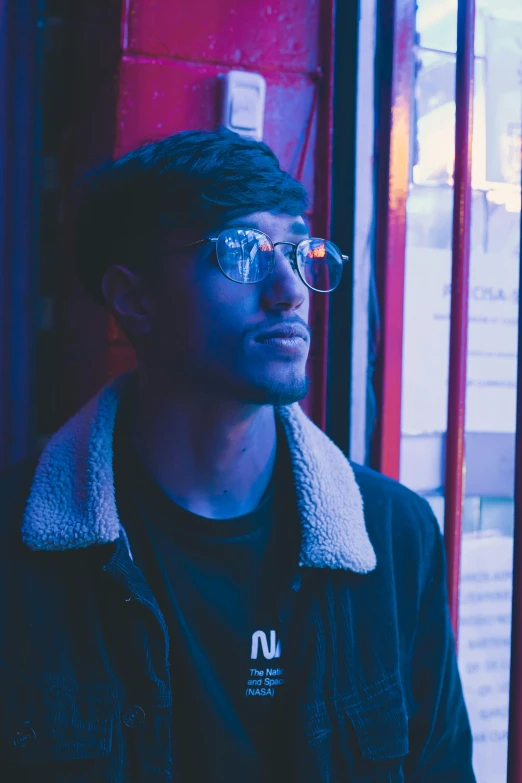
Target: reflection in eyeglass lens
<point x="321" y="265"/>
<point x="317" y="252"/>
<point x="244" y="255"/>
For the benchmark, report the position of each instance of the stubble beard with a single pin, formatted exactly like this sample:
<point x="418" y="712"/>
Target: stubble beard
<point x="250" y="391"/>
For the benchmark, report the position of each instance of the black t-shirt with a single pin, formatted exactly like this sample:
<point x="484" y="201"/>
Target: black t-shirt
<point x="217" y="583"/>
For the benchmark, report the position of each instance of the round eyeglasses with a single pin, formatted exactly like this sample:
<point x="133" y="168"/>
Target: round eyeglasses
<point x="246" y="255"/>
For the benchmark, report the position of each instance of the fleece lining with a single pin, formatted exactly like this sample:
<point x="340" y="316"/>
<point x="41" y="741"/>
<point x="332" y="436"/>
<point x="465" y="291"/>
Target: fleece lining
<point x="72" y="501"/>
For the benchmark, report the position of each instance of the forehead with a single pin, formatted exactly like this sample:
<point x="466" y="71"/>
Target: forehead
<point x="276" y="226"/>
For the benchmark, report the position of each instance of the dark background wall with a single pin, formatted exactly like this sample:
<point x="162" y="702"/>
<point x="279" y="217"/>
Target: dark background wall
<point x="112" y="74"/>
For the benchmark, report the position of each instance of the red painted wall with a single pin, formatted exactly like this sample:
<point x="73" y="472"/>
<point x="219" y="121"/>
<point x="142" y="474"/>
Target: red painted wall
<point x="172" y="55"/>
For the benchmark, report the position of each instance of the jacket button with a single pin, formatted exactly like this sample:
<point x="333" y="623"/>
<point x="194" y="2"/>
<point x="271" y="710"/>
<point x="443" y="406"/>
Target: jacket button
<point x="24" y="738"/>
<point x="133" y="716"/>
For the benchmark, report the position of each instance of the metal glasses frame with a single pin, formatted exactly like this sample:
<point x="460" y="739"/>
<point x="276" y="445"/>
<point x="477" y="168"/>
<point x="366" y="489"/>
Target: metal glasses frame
<point x="293" y="260"/>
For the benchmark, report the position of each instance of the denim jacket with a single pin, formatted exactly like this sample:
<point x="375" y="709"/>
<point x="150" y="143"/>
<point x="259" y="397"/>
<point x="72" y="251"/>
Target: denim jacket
<point x="85" y="684"/>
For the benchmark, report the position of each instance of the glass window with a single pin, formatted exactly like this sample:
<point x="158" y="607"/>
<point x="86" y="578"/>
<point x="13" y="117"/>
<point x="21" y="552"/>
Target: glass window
<point x="485" y="596"/>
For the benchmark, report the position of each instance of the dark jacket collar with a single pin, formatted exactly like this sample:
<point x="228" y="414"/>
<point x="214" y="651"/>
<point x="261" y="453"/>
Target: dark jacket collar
<point x="72" y="500"/>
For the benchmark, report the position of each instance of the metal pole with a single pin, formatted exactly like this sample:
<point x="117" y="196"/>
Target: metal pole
<point x="319" y="303"/>
<point x="454" y="480"/>
<point x="514" y="774"/>
<point x="394" y="46"/>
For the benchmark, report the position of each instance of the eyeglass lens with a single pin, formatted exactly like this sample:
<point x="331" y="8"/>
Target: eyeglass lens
<point x="247" y="256"/>
<point x="320" y="264"/>
<point x="244" y="255"/>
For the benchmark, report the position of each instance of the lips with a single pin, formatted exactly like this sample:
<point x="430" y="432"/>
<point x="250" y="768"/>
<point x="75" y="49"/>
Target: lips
<point x="284" y="332"/>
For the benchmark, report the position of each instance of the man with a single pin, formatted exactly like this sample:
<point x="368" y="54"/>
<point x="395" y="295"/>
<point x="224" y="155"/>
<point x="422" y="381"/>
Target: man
<point x="198" y="585"/>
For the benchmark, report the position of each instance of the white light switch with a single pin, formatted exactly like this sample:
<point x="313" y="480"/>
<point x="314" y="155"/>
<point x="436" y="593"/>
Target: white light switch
<point x="243" y="108"/>
<point x="243" y="105"/>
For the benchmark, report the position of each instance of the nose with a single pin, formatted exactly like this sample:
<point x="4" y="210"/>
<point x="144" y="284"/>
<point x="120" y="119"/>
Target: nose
<point x="283" y="288"/>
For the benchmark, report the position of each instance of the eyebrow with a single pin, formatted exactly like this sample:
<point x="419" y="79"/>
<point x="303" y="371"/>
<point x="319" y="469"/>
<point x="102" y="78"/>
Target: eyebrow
<point x="296" y="227"/>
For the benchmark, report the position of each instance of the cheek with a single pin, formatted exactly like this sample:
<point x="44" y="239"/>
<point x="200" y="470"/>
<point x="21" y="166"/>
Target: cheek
<point x="206" y="311"/>
<point x="226" y="304"/>
<point x="172" y="310"/>
<point x="227" y="318"/>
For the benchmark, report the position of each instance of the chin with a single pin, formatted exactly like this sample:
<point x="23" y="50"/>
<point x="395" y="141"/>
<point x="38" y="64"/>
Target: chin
<point x="282" y="392"/>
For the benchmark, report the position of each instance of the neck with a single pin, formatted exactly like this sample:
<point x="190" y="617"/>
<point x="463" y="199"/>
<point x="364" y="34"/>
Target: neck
<point x="215" y="457"/>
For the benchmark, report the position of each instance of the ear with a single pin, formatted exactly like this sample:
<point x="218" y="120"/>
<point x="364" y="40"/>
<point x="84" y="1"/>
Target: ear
<point x="125" y="295"/>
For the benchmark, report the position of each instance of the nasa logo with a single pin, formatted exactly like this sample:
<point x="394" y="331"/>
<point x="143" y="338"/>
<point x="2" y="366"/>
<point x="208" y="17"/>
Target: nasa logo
<point x="274" y="651"/>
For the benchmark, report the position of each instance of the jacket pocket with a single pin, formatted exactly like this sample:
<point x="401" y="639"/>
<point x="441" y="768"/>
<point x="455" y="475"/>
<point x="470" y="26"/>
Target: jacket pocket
<point x="53" y="730"/>
<point x="373" y="733"/>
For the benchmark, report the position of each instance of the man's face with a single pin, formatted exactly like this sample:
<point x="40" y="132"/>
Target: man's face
<point x="204" y="326"/>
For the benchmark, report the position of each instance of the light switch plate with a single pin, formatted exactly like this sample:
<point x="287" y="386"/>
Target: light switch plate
<point x="243" y="103"/>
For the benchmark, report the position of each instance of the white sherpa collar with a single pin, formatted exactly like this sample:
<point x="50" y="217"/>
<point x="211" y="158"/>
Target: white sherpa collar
<point x="72" y="500"/>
